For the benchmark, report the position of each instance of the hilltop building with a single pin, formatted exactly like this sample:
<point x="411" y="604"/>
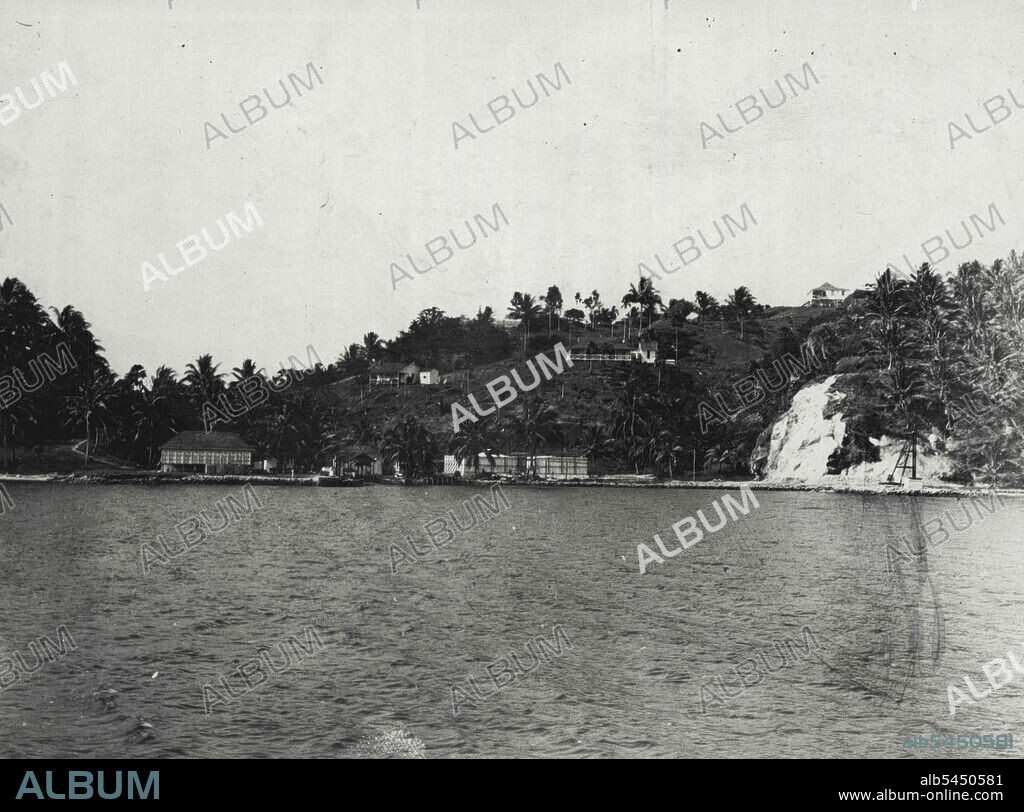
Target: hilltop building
<point x="826" y="295"/>
<point x="645" y="352"/>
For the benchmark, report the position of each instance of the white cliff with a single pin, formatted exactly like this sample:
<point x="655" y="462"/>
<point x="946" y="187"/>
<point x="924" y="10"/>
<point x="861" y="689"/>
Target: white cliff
<point x="803" y="439"/>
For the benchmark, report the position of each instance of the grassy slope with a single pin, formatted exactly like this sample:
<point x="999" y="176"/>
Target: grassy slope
<point x="585" y="392"/>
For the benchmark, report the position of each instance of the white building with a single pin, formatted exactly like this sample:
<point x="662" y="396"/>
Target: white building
<point x="545" y="466"/>
<point x="826" y="295"/>
<point x="645" y="352"/>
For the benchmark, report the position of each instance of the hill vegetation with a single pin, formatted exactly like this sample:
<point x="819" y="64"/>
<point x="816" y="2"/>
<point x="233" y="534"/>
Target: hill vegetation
<point x="921" y="355"/>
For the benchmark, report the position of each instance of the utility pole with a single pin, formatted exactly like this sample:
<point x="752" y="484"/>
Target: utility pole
<point x="695" y="465"/>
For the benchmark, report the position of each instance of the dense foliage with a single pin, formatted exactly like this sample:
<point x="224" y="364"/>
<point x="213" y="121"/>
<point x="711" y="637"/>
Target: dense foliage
<point x="922" y="355"/>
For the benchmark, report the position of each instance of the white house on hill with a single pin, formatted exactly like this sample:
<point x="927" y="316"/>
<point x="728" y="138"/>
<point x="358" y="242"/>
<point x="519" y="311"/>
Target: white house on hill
<point x="826" y="295"/>
<point x="645" y="352"/>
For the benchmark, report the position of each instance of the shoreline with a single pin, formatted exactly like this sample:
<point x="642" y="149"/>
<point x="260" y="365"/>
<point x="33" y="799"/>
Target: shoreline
<point x="612" y="481"/>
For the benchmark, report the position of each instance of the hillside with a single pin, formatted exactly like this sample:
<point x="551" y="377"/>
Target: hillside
<point x="916" y="357"/>
<point x="711" y="355"/>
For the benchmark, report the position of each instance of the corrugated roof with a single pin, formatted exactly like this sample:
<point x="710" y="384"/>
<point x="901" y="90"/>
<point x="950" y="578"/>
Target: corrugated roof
<point x="201" y="441"/>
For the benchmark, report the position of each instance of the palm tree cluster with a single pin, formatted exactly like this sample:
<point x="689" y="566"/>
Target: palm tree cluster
<point x="642" y="305"/>
<point x="131" y="416"/>
<point x="932" y="354"/>
<point x="951" y="356"/>
<point x="78" y="399"/>
<point x="649" y="426"/>
<point x="528" y="427"/>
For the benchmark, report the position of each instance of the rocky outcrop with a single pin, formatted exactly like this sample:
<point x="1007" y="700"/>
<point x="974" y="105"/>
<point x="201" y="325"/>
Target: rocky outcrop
<point x="799" y="446"/>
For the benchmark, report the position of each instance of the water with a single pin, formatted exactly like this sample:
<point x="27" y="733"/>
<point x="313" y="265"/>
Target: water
<point x="889" y="639"/>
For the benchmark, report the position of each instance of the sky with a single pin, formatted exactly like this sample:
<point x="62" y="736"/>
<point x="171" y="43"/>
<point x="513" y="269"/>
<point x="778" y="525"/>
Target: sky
<point x="595" y="178"/>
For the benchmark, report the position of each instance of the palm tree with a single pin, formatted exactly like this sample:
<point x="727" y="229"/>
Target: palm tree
<point x="632" y="298"/>
<point x="552" y="305"/>
<point x="76" y="332"/>
<point x="904" y="390"/>
<point x="409" y="444"/>
<point x="476" y="439"/>
<point x="244" y="372"/>
<point x="89" y="403"/>
<point x="727" y="459"/>
<point x="373" y="345"/>
<point x="646" y="297"/>
<point x="742" y="303"/>
<point x="524" y="308"/>
<point x="24" y="330"/>
<point x="353" y="353"/>
<point x="23" y="323"/>
<point x="152" y="414"/>
<point x="630" y="314"/>
<point x="593" y="305"/>
<point x="597" y="443"/>
<point x="134" y="379"/>
<point x="353" y="360"/>
<point x="886" y="312"/>
<point x="938" y="346"/>
<point x="535" y="424"/>
<point x="632" y="406"/>
<point x="202" y="379"/>
<point x="360" y="431"/>
<point x="662" y="441"/>
<point x="485" y="315"/>
<point x="707" y="305"/>
<point x="291" y="423"/>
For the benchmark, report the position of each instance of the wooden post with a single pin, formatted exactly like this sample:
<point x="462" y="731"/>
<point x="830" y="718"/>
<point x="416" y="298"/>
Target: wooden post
<point x="913" y="450"/>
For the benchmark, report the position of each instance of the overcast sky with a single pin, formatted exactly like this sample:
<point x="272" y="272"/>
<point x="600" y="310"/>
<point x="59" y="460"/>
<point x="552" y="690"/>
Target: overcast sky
<point x="594" y="179"/>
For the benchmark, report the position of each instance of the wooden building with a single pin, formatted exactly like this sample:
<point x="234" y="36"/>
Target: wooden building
<point x="389" y="373"/>
<point x="216" y="452"/>
<point x="358" y="460"/>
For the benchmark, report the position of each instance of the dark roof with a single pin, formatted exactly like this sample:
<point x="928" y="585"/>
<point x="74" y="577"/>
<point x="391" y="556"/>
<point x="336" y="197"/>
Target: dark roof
<point x="348" y="452"/>
<point x="827" y="286"/>
<point x="392" y="367"/>
<point x="359" y="459"/>
<point x="648" y="345"/>
<point x="201" y="441"/>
